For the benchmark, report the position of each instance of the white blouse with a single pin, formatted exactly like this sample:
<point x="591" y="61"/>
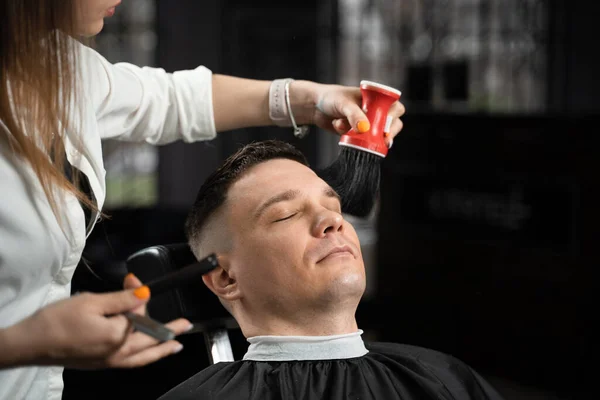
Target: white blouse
<point x="37" y="260"/>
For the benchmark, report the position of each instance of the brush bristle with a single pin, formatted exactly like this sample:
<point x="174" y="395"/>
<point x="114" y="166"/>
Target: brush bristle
<point x="355" y="177"/>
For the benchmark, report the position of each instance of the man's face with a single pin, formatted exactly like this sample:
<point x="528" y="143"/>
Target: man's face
<point x="292" y="249"/>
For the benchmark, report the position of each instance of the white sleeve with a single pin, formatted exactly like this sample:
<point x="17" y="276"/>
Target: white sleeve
<point x="148" y="104"/>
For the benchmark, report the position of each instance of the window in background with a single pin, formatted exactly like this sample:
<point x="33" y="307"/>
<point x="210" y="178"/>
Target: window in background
<point x="467" y="55"/>
<point x="131" y="168"/>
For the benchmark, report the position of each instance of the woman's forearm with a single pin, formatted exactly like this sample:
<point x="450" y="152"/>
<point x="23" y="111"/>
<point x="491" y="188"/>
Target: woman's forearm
<point x="242" y="103"/>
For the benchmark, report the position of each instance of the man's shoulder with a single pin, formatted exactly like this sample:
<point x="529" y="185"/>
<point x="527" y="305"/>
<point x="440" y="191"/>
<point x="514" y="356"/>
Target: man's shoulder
<point x="411" y="352"/>
<point x="457" y="378"/>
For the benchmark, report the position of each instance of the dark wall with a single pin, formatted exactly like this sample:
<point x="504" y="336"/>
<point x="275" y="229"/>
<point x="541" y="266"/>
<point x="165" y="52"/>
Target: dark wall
<point x="573" y="84"/>
<point x="487" y="244"/>
<point x="259" y="40"/>
<point x="185" y="41"/>
<point x="267" y="40"/>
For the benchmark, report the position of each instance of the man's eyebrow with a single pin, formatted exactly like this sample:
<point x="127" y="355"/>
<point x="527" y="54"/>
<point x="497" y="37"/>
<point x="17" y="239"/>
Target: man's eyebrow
<point x="284" y="196"/>
<point x="329" y="192"/>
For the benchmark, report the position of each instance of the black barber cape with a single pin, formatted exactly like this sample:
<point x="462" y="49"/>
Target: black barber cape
<point x="332" y="368"/>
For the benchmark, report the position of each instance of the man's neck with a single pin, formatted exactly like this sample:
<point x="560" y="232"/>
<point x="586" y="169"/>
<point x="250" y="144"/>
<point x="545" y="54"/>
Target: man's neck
<point x="311" y="325"/>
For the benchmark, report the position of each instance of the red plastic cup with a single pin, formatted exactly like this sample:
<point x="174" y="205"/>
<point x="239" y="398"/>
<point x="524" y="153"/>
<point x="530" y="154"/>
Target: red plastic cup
<point x="376" y="102"/>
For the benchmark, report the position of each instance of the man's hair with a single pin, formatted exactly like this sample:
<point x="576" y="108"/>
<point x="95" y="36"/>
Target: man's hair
<point x="213" y="192"/>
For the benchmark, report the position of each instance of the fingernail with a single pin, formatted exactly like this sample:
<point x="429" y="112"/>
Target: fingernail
<point x="189" y="328"/>
<point x="390" y="145"/>
<point x="143" y="292"/>
<point x="177" y="348"/>
<point x="388" y="125"/>
<point x="364" y="126"/>
<point x="129" y="275"/>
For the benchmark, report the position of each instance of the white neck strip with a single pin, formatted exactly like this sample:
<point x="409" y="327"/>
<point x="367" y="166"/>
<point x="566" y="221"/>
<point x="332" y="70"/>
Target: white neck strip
<point x="289" y="348"/>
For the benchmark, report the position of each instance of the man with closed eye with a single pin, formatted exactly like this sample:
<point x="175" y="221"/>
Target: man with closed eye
<point x="291" y="273"/>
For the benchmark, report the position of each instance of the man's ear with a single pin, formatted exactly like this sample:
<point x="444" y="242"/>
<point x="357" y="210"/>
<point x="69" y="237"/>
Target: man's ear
<point x="221" y="282"/>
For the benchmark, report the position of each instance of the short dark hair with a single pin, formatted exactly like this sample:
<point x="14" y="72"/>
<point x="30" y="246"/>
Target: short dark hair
<point x="213" y="192"/>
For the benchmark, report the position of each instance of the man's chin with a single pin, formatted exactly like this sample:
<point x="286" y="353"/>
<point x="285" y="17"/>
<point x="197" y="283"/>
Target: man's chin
<point x="348" y="281"/>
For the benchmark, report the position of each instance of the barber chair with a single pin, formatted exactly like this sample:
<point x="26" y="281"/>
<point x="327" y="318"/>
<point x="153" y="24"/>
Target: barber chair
<point x="193" y="301"/>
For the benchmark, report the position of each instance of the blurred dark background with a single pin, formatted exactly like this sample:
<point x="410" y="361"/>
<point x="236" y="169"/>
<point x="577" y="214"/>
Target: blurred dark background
<point x="484" y="240"/>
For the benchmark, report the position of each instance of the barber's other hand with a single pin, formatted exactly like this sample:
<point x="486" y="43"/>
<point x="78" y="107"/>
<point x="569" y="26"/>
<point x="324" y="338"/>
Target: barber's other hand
<point x="87" y="331"/>
<point x="338" y="109"/>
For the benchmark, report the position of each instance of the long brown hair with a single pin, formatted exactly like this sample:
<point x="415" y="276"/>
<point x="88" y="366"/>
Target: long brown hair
<point x="38" y="78"/>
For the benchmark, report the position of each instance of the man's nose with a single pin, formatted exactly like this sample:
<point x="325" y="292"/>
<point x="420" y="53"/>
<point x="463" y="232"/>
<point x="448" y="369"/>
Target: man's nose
<point x="328" y="222"/>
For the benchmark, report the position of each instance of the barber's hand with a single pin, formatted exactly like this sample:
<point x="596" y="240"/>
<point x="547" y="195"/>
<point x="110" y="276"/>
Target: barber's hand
<point x="87" y="331"/>
<point x="339" y="109"/>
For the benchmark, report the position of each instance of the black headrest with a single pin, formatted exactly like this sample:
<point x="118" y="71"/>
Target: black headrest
<point x="193" y="301"/>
